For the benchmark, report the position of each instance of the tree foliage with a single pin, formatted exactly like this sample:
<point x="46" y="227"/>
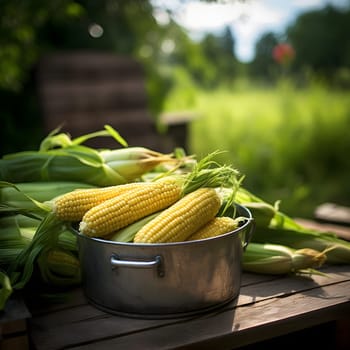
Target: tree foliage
<point x="219" y="51"/>
<point x="263" y="65"/>
<point x="321" y="40"/>
<point x="321" y="43"/>
<point x="32" y="28"/>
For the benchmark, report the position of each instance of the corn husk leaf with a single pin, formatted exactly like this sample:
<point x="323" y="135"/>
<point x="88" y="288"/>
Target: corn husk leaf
<point x="5" y="289"/>
<point x="46" y="236"/>
<point x="276" y="259"/>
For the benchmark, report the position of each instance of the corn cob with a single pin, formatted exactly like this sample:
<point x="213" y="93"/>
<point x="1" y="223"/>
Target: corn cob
<point x="62" y="159"/>
<point x="278" y="259"/>
<point x="73" y="205"/>
<point x="276" y="227"/>
<point x="51" y="229"/>
<point x="59" y="268"/>
<point x="215" y="227"/>
<point x="181" y="219"/>
<point x="130" y="206"/>
<point x="337" y="249"/>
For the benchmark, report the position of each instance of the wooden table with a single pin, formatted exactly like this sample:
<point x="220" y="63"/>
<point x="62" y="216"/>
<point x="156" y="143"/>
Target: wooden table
<point x="267" y="308"/>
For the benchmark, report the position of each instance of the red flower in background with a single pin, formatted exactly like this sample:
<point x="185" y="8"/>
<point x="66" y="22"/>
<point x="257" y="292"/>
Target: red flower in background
<point x="283" y="53"/>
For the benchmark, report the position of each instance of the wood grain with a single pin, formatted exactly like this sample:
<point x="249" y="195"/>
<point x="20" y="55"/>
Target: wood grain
<point x="266" y="307"/>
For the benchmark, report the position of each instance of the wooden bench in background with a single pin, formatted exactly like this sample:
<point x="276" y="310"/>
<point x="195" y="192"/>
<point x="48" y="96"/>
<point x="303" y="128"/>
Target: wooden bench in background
<point x="82" y="91"/>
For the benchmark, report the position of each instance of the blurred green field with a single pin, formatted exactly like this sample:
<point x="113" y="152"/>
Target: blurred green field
<point x="291" y="144"/>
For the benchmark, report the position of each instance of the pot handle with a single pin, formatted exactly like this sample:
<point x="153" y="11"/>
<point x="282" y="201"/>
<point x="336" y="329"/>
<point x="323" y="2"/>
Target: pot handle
<point x="248" y="235"/>
<point x="138" y="264"/>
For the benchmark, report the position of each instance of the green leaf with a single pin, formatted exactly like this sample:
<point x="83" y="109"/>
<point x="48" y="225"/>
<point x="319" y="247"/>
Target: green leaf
<point x="46" y="236"/>
<point x="5" y="290"/>
<point x="109" y="131"/>
<point x="40" y="205"/>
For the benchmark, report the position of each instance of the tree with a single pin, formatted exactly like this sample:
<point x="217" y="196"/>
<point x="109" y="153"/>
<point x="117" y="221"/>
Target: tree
<point x="321" y="40"/>
<point x="31" y="28"/>
<point x="263" y="63"/>
<point x="219" y="51"/>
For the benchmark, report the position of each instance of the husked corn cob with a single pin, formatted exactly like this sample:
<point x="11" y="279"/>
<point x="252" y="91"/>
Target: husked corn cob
<point x="181" y="219"/>
<point x="73" y="205"/>
<point x="215" y="227"/>
<point x="130" y="206"/>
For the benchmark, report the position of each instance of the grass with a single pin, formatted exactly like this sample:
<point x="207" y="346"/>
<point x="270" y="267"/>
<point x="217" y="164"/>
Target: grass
<point x="291" y="144"/>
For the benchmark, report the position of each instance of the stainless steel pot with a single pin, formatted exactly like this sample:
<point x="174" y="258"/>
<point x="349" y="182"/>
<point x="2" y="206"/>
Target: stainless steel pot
<point x="166" y="279"/>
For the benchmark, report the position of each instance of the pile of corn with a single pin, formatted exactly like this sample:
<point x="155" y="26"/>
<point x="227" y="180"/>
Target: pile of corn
<point x="37" y="244"/>
<point x="134" y="195"/>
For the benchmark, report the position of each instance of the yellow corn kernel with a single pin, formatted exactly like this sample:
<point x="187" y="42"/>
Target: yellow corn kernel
<point x="215" y="227"/>
<point x="130" y="206"/>
<point x="181" y="219"/>
<point x="73" y="205"/>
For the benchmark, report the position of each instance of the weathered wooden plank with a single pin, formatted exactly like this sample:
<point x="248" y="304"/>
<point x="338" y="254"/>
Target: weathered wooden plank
<point x="254" y="278"/>
<point x="67" y="332"/>
<point x="39" y="307"/>
<point x="289" y="285"/>
<point x="13" y="325"/>
<point x="85" y="324"/>
<point x="18" y="342"/>
<point x="76" y="298"/>
<point x="15" y="309"/>
<point x="242" y="325"/>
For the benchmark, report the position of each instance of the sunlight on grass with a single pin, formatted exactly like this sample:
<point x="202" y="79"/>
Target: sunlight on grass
<point x="291" y="144"/>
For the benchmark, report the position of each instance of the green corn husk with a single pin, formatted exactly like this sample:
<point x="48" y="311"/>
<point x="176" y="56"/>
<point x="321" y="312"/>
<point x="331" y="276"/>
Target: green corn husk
<point x="262" y="211"/>
<point x="62" y="159"/>
<point x="17" y="232"/>
<point x="22" y="241"/>
<point x="46" y="237"/>
<point x="67" y="240"/>
<point x="5" y="289"/>
<point x="286" y="231"/>
<point x="128" y="233"/>
<point x="24" y="195"/>
<point x="338" y="250"/>
<point x="11" y="240"/>
<point x="9" y="255"/>
<point x="59" y="268"/>
<point x="280" y="228"/>
<point x="276" y="259"/>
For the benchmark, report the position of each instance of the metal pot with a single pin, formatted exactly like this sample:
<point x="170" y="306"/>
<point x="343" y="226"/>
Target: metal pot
<point x="165" y="279"/>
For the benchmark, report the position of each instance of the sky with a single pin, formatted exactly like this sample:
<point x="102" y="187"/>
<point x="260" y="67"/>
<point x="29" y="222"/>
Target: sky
<point x="247" y="19"/>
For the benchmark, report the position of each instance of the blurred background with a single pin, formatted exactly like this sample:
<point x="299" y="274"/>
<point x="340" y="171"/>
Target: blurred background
<point x="267" y="82"/>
